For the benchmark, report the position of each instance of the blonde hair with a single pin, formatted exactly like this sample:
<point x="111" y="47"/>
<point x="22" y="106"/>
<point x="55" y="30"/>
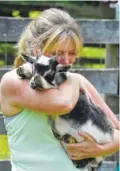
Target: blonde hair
<point x="46" y="30"/>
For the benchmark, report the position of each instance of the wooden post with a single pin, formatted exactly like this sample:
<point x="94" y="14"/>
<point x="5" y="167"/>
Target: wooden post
<point x="112" y="61"/>
<point x="112" y="56"/>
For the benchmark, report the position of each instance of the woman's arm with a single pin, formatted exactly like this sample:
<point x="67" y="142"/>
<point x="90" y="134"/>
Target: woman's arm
<point x="52" y="101"/>
<point x="99" y="100"/>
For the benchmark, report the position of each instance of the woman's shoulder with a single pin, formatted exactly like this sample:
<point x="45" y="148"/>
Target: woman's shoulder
<point x="75" y="75"/>
<point x="8" y="86"/>
<point x="8" y="81"/>
<point x="8" y="75"/>
<point x="78" y="76"/>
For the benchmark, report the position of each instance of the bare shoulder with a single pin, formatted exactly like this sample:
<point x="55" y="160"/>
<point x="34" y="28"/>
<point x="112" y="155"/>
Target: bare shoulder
<point x="77" y="77"/>
<point x="9" y="86"/>
<point x="72" y="75"/>
<point x="9" y="82"/>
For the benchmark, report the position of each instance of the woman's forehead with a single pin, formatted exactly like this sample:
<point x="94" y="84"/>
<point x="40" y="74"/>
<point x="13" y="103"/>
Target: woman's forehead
<point x="67" y="44"/>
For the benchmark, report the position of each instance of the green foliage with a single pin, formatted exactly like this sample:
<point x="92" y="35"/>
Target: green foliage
<point x="16" y="14"/>
<point x="9" y="50"/>
<point x="2" y="63"/>
<point x="9" y="47"/>
<point x="93" y="52"/>
<point x="31" y="14"/>
<point x="34" y="14"/>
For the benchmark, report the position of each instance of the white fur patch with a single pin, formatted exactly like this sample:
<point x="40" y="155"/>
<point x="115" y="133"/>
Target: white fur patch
<point x="27" y="68"/>
<point x="43" y="60"/>
<point x="96" y="133"/>
<point x="47" y="72"/>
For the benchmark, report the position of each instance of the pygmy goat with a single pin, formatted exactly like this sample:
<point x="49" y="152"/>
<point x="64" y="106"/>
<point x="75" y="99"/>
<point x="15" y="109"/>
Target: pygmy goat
<point x="45" y="73"/>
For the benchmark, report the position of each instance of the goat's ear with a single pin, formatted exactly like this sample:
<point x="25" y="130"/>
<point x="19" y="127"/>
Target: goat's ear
<point x="63" y="68"/>
<point x="27" y="58"/>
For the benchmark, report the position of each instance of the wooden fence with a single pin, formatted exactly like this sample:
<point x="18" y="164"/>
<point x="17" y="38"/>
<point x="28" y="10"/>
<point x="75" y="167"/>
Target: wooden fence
<point x="105" y="80"/>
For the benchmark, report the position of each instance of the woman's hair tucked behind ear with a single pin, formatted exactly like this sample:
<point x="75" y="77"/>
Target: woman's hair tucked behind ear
<point x="46" y="30"/>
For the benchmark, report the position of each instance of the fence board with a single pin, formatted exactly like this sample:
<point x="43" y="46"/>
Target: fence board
<point x="105" y="80"/>
<point x="108" y="166"/>
<point x="5" y="165"/>
<point x="2" y="126"/>
<point x="100" y="31"/>
<point x="103" y="32"/>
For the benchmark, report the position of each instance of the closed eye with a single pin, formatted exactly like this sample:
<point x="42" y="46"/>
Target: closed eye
<point x="72" y="53"/>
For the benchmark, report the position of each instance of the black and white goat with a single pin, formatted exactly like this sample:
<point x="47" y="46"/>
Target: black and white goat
<point x="45" y="73"/>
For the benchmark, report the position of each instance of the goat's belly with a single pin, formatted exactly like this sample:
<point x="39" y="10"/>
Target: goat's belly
<point x="99" y="135"/>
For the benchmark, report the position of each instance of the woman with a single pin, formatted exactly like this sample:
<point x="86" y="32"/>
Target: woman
<point x="32" y="144"/>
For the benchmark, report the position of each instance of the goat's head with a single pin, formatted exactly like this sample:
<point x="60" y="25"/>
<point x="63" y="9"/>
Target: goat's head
<point x="43" y="71"/>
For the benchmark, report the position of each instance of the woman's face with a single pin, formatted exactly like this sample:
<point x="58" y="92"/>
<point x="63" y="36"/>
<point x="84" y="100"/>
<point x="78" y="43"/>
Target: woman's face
<point x="65" y="51"/>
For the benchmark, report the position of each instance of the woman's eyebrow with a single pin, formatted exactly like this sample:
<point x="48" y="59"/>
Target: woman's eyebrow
<point x="72" y="50"/>
<point x="64" y="50"/>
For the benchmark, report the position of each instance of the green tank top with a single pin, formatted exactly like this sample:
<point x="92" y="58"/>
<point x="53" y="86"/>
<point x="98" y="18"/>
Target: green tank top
<point x="33" y="146"/>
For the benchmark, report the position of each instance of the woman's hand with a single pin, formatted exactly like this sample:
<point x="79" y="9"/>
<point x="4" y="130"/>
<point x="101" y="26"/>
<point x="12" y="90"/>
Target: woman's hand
<point x="90" y="148"/>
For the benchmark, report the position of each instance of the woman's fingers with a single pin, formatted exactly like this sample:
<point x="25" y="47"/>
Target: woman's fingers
<point x="76" y="156"/>
<point x="73" y="147"/>
<point x="86" y="136"/>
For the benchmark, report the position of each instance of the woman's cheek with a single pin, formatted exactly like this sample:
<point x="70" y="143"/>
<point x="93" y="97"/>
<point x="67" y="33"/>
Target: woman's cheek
<point x="72" y="61"/>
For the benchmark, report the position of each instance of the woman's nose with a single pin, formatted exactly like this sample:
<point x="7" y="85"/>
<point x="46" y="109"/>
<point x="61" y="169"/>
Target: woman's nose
<point x="66" y="60"/>
<point x="63" y="59"/>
